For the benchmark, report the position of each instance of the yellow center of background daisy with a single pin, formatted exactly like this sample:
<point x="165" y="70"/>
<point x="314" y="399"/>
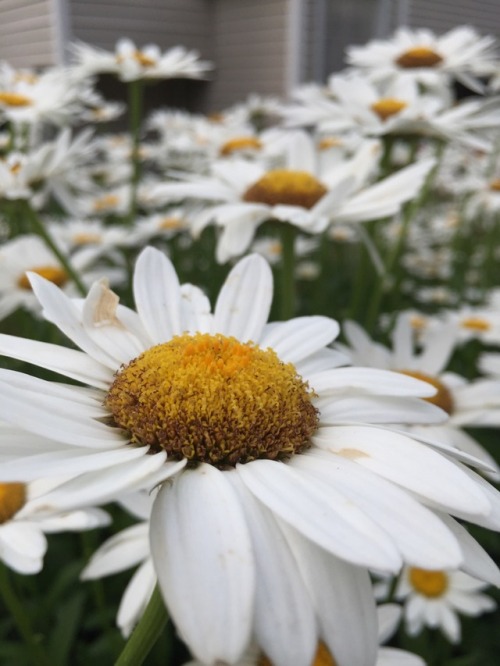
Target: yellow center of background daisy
<point x="328" y="142"/>
<point x="321" y="658"/>
<point x="170" y="223"/>
<point x="211" y="398"/>
<point x="140" y="57"/>
<point x="431" y="584"/>
<point x="12" y="499"/>
<point x="287" y="187"/>
<point x="387" y="107"/>
<point x="475" y="324"/>
<point x="87" y="238"/>
<point x="105" y="202"/>
<point x="419" y="56"/>
<point x="14" y="99"/>
<point x="52" y="273"/>
<point x="442" y="398"/>
<point x="240" y="143"/>
<point x="495" y="185"/>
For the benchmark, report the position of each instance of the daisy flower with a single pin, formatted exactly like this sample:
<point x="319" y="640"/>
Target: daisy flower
<point x="429" y="59"/>
<point x="473" y="404"/>
<point x="435" y="599"/>
<point x="278" y="485"/>
<point x="130" y="63"/>
<point x="246" y="194"/>
<point x="23" y="527"/>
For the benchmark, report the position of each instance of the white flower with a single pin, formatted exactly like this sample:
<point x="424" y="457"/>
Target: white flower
<point x="436" y="598"/>
<point x="245" y="194"/>
<point x="130" y="63"/>
<point x="23" y="526"/>
<point x="278" y="484"/>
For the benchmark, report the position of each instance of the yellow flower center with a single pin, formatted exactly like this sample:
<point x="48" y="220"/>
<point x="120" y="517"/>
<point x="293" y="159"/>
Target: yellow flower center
<point x="495" y="185"/>
<point x="387" y="107"/>
<point x="418" y="323"/>
<point x="284" y="186"/>
<point x="14" y="99"/>
<point x="442" y="398"/>
<point x="211" y="398"/>
<point x="52" y="273"/>
<point x="419" y="56"/>
<point x="240" y="143"/>
<point x="140" y="57"/>
<point x="475" y="324"/>
<point x="171" y="223"/>
<point x="12" y="499"/>
<point x="328" y="142"/>
<point x="431" y="584"/>
<point x="86" y="239"/>
<point x="106" y="202"/>
<point x="321" y="658"/>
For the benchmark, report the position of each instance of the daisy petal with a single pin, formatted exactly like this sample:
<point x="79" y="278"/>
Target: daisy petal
<point x="212" y="558"/>
<point x="300" y="337"/>
<point x="22" y="547"/>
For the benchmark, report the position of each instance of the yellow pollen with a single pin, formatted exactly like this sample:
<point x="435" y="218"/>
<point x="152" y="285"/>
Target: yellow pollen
<point x="213" y="399"/>
<point x="418" y="323"/>
<point x="284" y="186"/>
<point x="52" y="273"/>
<point x="419" y="56"/>
<point x="106" y="202"/>
<point x="387" y="107"/>
<point x="495" y="185"/>
<point x="86" y="239"/>
<point x="328" y="142"/>
<point x="171" y="223"/>
<point x="321" y="658"/>
<point x="14" y="99"/>
<point x="12" y="499"/>
<point x="442" y="398"/>
<point x="140" y="57"/>
<point x="475" y="324"/>
<point x="16" y="168"/>
<point x="240" y="143"/>
<point x="429" y="583"/>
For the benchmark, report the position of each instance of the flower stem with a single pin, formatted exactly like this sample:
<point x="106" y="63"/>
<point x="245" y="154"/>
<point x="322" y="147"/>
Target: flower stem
<point x="146" y="633"/>
<point x="135" y="117"/>
<point x="40" y="229"/>
<point x="288" y="234"/>
<point x="16" y="609"/>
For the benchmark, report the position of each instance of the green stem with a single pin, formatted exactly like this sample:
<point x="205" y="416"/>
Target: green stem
<point x="288" y="234"/>
<point x="16" y="609"/>
<point x="40" y="229"/>
<point x="135" y="117"/>
<point x="146" y="633"/>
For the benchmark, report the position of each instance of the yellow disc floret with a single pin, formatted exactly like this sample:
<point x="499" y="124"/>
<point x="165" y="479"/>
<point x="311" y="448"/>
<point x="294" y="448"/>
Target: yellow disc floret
<point x="477" y="324"/>
<point x="442" y="397"/>
<point x="419" y="56"/>
<point x="284" y="186"/>
<point x="12" y="499"/>
<point x="321" y="658"/>
<point x="495" y="185"/>
<point x="387" y="107"/>
<point x="431" y="584"/>
<point x="211" y="398"/>
<point x="14" y="99"/>
<point x="52" y="273"/>
<point x="240" y="143"/>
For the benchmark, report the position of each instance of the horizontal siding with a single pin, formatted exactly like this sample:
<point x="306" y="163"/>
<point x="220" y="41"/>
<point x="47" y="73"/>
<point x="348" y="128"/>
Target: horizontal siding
<point x="164" y="22"/>
<point x="250" y="39"/>
<point x="27" y="33"/>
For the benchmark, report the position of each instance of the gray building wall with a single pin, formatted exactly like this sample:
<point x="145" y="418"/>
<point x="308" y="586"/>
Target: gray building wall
<point x="27" y="32"/>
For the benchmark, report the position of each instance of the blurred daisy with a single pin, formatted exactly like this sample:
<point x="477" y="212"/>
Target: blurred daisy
<point x="435" y="599"/>
<point x="130" y="63"/>
<point x="269" y="504"/>
<point x="429" y="59"/>
<point x="23" y="527"/>
<point x="246" y="194"/>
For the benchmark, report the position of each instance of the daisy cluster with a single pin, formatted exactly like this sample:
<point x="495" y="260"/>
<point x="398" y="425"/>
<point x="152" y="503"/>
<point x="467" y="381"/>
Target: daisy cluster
<point x="299" y="479"/>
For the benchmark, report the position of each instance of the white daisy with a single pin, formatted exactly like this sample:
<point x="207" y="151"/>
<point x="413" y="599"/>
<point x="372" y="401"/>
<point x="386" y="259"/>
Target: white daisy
<point x="23" y="528"/>
<point x="278" y="484"/>
<point x="245" y="194"/>
<point x="130" y="63"/>
<point x="436" y="598"/>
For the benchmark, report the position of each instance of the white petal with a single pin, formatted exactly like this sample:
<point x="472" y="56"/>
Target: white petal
<point x="204" y="562"/>
<point x="157" y="295"/>
<point x="136" y="597"/>
<point x="321" y="514"/>
<point x="244" y="301"/>
<point x="22" y="546"/>
<point x="123" y="550"/>
<point x="371" y="380"/>
<point x="300" y="337"/>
